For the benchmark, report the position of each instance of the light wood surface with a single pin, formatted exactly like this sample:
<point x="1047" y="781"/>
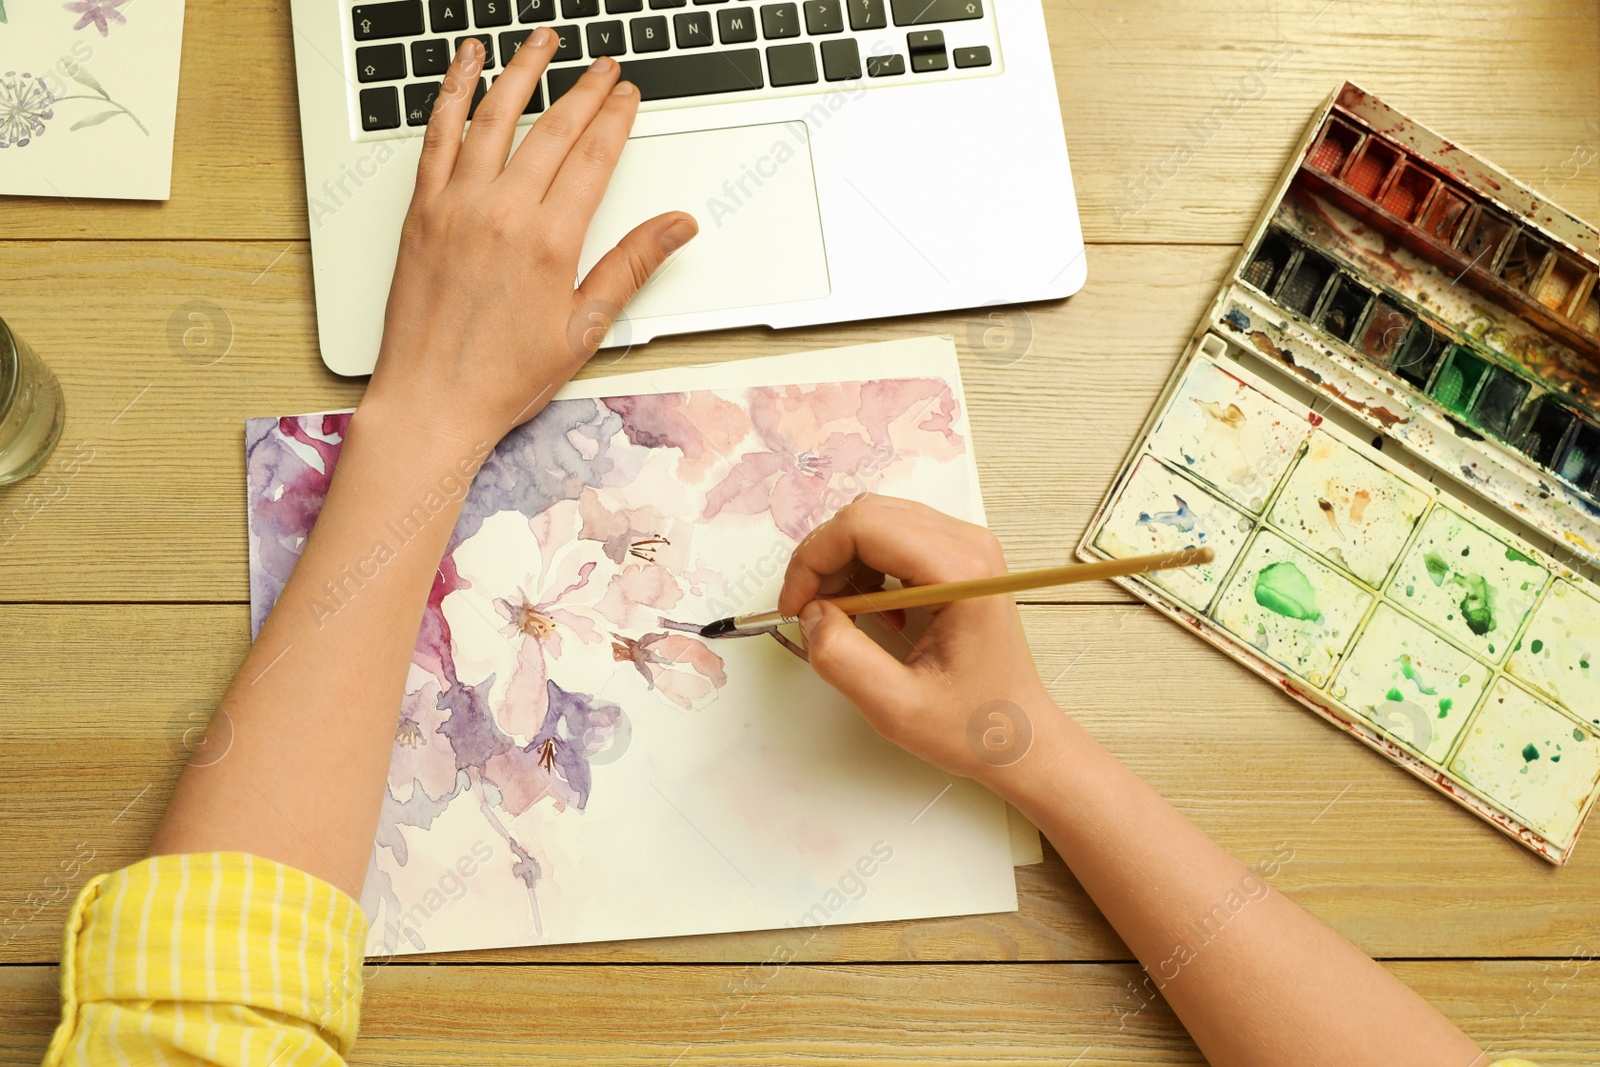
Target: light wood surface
<point x="122" y="587"/>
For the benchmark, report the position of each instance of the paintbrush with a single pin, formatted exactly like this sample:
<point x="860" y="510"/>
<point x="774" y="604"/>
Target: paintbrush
<point x="922" y="596"/>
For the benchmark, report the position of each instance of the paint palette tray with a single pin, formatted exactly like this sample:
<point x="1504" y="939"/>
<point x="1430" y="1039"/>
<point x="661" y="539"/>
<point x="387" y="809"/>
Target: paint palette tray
<point x="1386" y="428"/>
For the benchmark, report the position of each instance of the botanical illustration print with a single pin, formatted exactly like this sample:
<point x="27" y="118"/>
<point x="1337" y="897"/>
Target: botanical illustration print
<point x="593" y="544"/>
<point x="28" y="102"/>
<point x="97" y="13"/>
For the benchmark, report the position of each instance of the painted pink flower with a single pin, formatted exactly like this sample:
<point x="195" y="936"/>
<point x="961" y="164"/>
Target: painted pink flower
<point x="681" y="668"/>
<point x="422" y="757"/>
<point x="554" y="764"/>
<point x="825" y="444"/>
<point x="548" y="610"/>
<point x="98" y="12"/>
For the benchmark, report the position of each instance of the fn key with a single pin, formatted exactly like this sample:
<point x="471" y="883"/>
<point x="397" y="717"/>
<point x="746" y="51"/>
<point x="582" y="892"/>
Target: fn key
<point x="380" y="108"/>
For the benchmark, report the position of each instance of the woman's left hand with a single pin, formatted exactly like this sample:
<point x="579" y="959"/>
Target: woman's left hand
<point x="484" y="322"/>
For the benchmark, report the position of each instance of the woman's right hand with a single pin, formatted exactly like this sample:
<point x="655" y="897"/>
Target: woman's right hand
<point x="966" y="695"/>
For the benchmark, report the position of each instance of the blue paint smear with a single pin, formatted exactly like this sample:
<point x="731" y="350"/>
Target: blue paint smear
<point x="1181" y="520"/>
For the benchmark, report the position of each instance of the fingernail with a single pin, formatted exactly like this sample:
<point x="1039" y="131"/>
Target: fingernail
<point x="541" y="37"/>
<point x="604" y="63"/>
<point x="623" y="89"/>
<point x="677" y="235"/>
<point x="810" y="615"/>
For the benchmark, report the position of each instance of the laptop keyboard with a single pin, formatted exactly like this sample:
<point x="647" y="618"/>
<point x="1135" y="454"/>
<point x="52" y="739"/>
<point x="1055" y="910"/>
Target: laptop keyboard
<point x="677" y="52"/>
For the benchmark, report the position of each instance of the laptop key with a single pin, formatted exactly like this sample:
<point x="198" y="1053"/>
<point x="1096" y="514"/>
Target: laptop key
<point x="380" y="108"/>
<point x="429" y="57"/>
<point x="488" y="48"/>
<point x="535" y="102"/>
<point x="605" y="39"/>
<point x="922" y="12"/>
<point x="824" y="16"/>
<point x="536" y="10"/>
<point x="510" y="41"/>
<point x="649" y="33"/>
<point x="736" y="25"/>
<point x="447" y="15"/>
<point x="381" y="63"/>
<point x="867" y="14"/>
<point x="402" y="18"/>
<point x="568" y="46"/>
<point x="420" y="97"/>
<point x="926" y="61"/>
<point x="692" y="29"/>
<point x="977" y="56"/>
<point x="841" y="59"/>
<point x="623" y="7"/>
<point x="791" y="64"/>
<point x="487" y="13"/>
<point x="656" y="5"/>
<point x="579" y="9"/>
<point x="670" y="77"/>
<point x="780" y="20"/>
<point x="883" y="66"/>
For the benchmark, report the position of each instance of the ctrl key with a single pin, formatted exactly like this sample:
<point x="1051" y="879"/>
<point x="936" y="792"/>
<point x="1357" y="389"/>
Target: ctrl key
<point x="380" y="108"/>
<point x="882" y="66"/>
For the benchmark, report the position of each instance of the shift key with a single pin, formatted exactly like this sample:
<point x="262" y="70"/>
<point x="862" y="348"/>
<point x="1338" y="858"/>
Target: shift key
<point x="923" y="12"/>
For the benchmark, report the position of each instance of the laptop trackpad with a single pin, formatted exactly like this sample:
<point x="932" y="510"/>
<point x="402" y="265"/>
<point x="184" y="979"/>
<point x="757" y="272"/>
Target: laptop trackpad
<point x="751" y="189"/>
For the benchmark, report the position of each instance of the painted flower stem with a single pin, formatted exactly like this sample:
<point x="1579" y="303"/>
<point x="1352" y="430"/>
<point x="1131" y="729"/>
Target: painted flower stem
<point x="112" y="103"/>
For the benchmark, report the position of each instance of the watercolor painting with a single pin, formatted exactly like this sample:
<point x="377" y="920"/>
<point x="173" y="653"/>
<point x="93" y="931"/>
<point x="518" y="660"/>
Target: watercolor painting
<point x="1292" y="608"/>
<point x="566" y="732"/>
<point x="1560" y="650"/>
<point x="1473" y="587"/>
<point x="1347" y="509"/>
<point x="1416" y="688"/>
<point x="1230" y="435"/>
<point x="1539" y="764"/>
<point x="88" y="98"/>
<point x="1161" y="511"/>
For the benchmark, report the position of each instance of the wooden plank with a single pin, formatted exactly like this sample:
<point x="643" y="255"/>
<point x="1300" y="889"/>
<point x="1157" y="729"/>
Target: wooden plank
<point x="1160" y="149"/>
<point x="154" y="505"/>
<point x="1078" y="1013"/>
<point x="1383" y="859"/>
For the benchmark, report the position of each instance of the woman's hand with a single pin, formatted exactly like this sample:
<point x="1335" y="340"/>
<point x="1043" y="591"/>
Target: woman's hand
<point x="973" y="653"/>
<point x="484" y="322"/>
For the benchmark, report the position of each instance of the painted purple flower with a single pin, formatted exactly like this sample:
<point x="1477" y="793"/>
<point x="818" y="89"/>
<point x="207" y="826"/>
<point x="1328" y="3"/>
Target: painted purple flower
<point x="25" y="104"/>
<point x="97" y="12"/>
<point x="682" y="669"/>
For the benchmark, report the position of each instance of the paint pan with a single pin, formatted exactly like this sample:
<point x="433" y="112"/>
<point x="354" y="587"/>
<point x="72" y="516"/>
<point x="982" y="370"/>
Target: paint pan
<point x="1408" y="192"/>
<point x="1441" y="219"/>
<point x="1338" y="140"/>
<point x="1531" y="760"/>
<point x="1559" y="653"/>
<point x="1419" y="354"/>
<point x="1557" y="289"/>
<point x="1546" y="434"/>
<point x="1499" y="400"/>
<point x="1580" y="463"/>
<point x="1460" y="375"/>
<point x="1384" y="332"/>
<point x="1370" y="168"/>
<point x="1524" y="261"/>
<point x="1470" y="586"/>
<point x="1302" y="286"/>
<point x="1344" y="308"/>
<point x="1483" y="236"/>
<point x="1273" y="255"/>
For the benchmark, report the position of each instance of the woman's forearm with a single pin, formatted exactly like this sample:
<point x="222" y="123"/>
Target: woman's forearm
<point x="294" y="763"/>
<point x="1256" y="979"/>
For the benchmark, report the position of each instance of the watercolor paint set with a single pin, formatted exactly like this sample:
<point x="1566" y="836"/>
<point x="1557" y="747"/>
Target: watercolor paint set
<point x="1387" y="427"/>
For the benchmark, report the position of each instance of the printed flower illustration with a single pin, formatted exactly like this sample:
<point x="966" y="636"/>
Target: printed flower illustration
<point x="98" y="12"/>
<point x="26" y="103"/>
<point x="683" y="669"/>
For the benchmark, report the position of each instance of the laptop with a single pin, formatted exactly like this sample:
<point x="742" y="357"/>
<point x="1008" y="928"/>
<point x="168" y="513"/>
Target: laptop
<point x="846" y="159"/>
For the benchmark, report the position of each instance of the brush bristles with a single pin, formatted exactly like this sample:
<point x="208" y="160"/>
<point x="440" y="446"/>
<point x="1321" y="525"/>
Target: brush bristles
<point x="717" y="629"/>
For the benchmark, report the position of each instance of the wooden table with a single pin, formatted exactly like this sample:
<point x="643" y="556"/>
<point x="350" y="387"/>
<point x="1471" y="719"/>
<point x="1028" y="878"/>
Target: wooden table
<point x="123" y="586"/>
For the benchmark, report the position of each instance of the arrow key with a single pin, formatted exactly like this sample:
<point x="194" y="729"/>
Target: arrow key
<point x="400" y="18"/>
<point x="381" y="63"/>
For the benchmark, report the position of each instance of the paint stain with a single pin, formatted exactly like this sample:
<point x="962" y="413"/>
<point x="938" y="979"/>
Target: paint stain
<point x="1529" y="752"/>
<point x="1333" y="520"/>
<point x="1477" y="603"/>
<point x="1230" y="416"/>
<point x="1409" y="669"/>
<point x="1358" y="504"/>
<point x="1517" y="557"/>
<point x="1182" y="519"/>
<point x="1444" y="706"/>
<point x="1537" y="646"/>
<point x="1438" y="569"/>
<point x="1283" y="588"/>
<point x="1394" y="695"/>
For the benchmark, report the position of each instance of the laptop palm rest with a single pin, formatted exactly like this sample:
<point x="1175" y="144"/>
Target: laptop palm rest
<point x="752" y="190"/>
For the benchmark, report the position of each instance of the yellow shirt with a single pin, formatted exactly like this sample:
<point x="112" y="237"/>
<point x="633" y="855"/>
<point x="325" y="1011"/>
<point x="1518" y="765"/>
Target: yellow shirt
<point x="221" y="958"/>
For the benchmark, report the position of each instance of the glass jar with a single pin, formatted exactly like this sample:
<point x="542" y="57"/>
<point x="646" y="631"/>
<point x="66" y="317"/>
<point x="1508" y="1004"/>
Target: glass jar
<point x="31" y="409"/>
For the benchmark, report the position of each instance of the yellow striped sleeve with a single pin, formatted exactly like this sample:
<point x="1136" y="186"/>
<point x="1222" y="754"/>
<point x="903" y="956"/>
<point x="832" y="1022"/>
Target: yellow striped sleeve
<point x="218" y="957"/>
